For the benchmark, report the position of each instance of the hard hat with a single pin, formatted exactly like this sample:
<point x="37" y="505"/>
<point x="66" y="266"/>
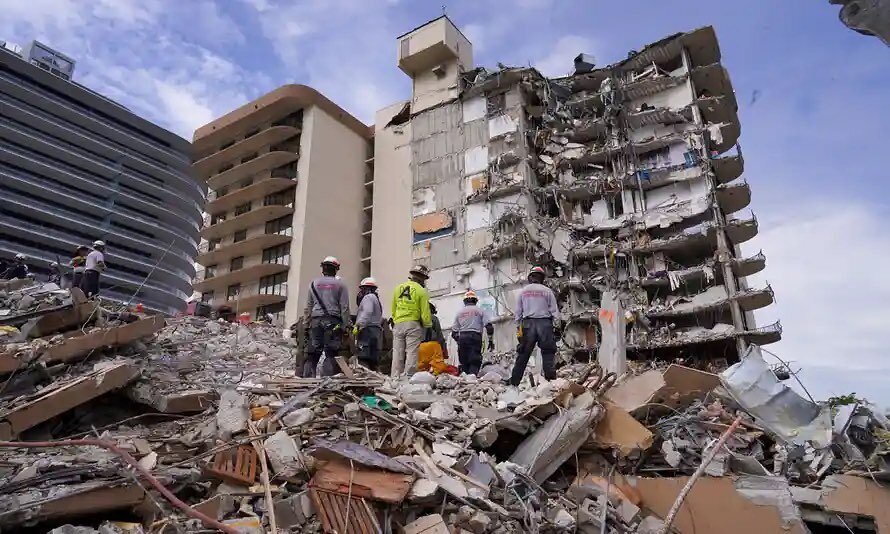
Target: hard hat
<point x="370" y="282"/>
<point x="470" y="294"/>
<point x="420" y="270"/>
<point x="330" y="260"/>
<point x="99" y="243"/>
<point x="20" y="256"/>
<point x="537" y="270"/>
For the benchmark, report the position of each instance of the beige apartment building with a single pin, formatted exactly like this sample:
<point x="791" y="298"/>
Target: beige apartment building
<point x="289" y="182"/>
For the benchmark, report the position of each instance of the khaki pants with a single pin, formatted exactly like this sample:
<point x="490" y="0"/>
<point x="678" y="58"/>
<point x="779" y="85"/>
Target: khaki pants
<point x="406" y="339"/>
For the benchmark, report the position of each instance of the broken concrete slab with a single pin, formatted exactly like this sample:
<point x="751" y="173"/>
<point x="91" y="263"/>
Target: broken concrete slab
<point x="428" y="524"/>
<point x="676" y="387"/>
<point x="80" y="345"/>
<point x="59" y="398"/>
<point x="746" y="504"/>
<point x="173" y="402"/>
<point x="619" y="430"/>
<point x="348" y="450"/>
<point x="282" y="451"/>
<point x="233" y="413"/>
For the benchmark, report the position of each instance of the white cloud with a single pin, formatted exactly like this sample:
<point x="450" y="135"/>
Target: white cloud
<point x="826" y="259"/>
<point x="558" y="61"/>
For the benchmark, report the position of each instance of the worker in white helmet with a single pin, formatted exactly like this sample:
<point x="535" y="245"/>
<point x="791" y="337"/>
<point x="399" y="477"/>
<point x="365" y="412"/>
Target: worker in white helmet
<point x="93" y="267"/>
<point x="368" y="328"/>
<point x="327" y="308"/>
<point x="536" y="314"/>
<point x="17" y="269"/>
<point x="467" y="331"/>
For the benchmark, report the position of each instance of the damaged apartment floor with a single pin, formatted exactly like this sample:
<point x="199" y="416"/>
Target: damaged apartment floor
<point x="116" y="422"/>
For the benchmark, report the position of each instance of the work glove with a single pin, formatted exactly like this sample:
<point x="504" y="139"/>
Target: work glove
<point x="355" y="330"/>
<point x="491" y="343"/>
<point x="519" y="332"/>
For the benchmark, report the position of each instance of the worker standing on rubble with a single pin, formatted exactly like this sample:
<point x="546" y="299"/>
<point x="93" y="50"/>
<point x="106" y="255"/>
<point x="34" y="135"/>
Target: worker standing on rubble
<point x="93" y="266"/>
<point x="368" y="320"/>
<point x="537" y="314"/>
<point x="78" y="264"/>
<point x="328" y="310"/>
<point x="467" y="331"/>
<point x="17" y="269"/>
<point x="412" y="321"/>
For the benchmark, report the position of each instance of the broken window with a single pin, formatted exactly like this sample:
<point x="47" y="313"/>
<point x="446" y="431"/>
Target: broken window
<point x="212" y="244"/>
<point x="218" y="218"/>
<point x="615" y="205"/>
<point x="496" y="104"/>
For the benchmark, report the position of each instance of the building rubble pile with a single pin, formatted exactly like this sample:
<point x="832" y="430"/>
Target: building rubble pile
<point x="213" y="411"/>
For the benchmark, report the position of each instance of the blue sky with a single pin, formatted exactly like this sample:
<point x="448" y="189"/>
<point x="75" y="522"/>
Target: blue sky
<point x="812" y="96"/>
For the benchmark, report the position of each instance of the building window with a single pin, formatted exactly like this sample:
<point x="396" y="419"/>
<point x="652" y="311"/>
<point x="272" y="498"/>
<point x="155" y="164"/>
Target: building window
<point x="280" y="226"/>
<point x="242" y="209"/>
<point x="209" y="271"/>
<point x="279" y="254"/>
<point x="212" y="244"/>
<point x="275" y="284"/>
<point x="276" y="311"/>
<point x="232" y="291"/>
<point x="207" y="297"/>
<point x="236" y="263"/>
<point x="240" y="235"/>
<point x="218" y="218"/>
<point x="278" y="199"/>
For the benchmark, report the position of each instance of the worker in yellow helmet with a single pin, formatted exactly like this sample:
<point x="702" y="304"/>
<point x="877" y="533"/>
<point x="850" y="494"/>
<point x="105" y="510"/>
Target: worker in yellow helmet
<point x="412" y="321"/>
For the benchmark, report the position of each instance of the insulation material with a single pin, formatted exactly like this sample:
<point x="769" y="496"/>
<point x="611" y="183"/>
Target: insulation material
<point x="501" y="125"/>
<point x="612" y="354"/>
<point x="475" y="160"/>
<point x="432" y="222"/>
<point x="473" y="108"/>
<point x="423" y="201"/>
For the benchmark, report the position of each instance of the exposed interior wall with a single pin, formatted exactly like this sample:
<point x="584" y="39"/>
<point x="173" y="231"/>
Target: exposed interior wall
<point x="391" y="226"/>
<point x="328" y="212"/>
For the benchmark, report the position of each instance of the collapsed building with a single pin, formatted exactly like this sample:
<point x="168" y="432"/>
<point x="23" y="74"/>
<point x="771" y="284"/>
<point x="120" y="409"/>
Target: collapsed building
<point x="623" y="182"/>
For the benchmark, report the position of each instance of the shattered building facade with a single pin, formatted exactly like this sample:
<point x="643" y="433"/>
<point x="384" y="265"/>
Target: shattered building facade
<point x="76" y="166"/>
<point x="623" y="182"/>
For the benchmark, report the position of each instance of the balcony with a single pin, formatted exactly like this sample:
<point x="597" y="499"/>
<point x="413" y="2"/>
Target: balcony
<point x="747" y="266"/>
<point x="255" y="191"/>
<point x="241" y="276"/>
<point x="728" y="168"/>
<point x="714" y="299"/>
<point x="242" y="222"/>
<point x="721" y="110"/>
<point x="250" y="246"/>
<point x="270" y="136"/>
<point x="249" y="303"/>
<point x="269" y="160"/>
<point x="733" y="197"/>
<point x="701" y="45"/>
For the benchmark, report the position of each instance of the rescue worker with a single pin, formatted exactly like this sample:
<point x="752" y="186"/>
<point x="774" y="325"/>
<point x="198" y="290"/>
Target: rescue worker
<point x="93" y="266"/>
<point x="438" y="336"/>
<point x="467" y="331"/>
<point x="17" y="269"/>
<point x="78" y="264"/>
<point x="368" y="320"/>
<point x="328" y="310"/>
<point x="536" y="314"/>
<point x="412" y="321"/>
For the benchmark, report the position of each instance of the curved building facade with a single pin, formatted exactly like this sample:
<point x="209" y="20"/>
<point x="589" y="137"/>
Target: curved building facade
<point x="76" y="167"/>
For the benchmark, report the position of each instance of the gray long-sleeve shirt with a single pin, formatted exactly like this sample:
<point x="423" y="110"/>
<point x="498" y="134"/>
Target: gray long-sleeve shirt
<point x="333" y="294"/>
<point x="370" y="311"/>
<point x="536" y="301"/>
<point x="471" y="318"/>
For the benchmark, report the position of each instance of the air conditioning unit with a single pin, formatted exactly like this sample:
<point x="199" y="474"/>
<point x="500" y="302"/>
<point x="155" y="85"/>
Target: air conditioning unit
<point x="439" y="71"/>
